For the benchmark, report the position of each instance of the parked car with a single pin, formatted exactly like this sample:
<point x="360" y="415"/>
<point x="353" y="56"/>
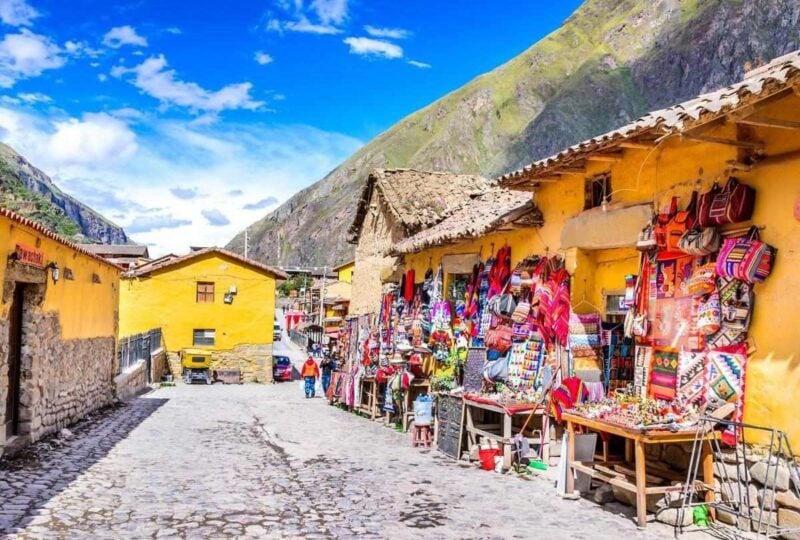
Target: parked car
<point x="277" y="331"/>
<point x="281" y="368"/>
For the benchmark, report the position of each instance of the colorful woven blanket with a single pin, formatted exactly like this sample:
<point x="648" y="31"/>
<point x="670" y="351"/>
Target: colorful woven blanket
<point x="664" y="374"/>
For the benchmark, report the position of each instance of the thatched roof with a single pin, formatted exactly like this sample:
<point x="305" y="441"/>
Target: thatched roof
<point x="417" y="199"/>
<point x="479" y="215"/>
<point x="776" y="77"/>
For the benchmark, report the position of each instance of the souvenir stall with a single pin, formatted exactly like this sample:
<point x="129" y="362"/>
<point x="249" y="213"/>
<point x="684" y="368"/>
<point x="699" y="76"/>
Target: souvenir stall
<point x="682" y="350"/>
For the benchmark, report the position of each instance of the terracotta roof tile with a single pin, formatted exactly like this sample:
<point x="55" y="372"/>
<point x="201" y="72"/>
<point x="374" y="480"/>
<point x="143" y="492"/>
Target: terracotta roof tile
<point x="150" y="268"/>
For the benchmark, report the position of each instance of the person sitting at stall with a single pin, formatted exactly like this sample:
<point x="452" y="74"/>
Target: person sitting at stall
<point x="310" y="372"/>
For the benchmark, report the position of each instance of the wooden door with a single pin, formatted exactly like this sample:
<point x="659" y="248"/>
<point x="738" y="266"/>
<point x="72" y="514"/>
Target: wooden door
<point x="14" y="361"/>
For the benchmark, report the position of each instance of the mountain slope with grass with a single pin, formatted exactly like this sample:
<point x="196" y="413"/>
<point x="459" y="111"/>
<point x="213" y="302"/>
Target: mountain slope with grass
<point x="31" y="193"/>
<point x="609" y="63"/>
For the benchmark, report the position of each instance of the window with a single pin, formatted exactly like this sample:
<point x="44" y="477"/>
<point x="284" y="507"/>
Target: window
<point x="203" y="337"/>
<point x="205" y="292"/>
<point x="596" y="190"/>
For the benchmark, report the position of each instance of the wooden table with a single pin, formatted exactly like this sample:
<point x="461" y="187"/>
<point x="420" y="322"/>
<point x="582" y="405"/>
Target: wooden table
<point x="635" y="441"/>
<point x="503" y="433"/>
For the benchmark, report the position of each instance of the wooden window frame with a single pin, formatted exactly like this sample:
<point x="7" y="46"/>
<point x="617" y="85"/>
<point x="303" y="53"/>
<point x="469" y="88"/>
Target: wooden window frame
<point x="203" y="341"/>
<point x="596" y="190"/>
<point x="205" y="296"/>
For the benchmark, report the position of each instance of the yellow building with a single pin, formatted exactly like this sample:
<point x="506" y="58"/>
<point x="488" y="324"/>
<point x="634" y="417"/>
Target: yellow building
<point x="597" y="196"/>
<point x="58" y="324"/>
<point x="344" y="272"/>
<point x="209" y="299"/>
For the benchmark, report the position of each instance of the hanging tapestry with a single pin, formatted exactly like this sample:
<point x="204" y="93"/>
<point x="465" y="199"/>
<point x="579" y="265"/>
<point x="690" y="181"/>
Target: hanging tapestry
<point x="523" y="364"/>
<point x="673" y="321"/>
<point x="725" y="380"/>
<point x="736" y="300"/>
<point x="691" y="377"/>
<point x="473" y="370"/>
<point x="641" y="373"/>
<point x="664" y="374"/>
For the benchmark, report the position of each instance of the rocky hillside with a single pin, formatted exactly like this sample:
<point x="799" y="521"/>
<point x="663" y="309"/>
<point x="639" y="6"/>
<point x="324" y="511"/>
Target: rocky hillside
<point x="609" y="63"/>
<point x="30" y="192"/>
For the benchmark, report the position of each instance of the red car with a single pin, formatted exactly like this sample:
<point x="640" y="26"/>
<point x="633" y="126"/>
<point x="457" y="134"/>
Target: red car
<point x="281" y="368"/>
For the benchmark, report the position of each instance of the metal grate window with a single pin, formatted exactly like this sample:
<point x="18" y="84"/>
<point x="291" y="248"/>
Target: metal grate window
<point x="205" y="292"/>
<point x="203" y="337"/>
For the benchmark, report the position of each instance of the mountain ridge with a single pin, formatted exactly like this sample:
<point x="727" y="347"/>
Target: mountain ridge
<point x="609" y="63"/>
<point x="30" y="192"/>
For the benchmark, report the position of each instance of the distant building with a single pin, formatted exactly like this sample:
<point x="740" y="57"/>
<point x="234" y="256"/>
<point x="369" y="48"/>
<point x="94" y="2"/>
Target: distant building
<point x="123" y="255"/>
<point x="59" y="325"/>
<point x="209" y="299"/>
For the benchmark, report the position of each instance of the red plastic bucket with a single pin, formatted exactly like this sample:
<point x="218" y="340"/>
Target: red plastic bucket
<point x="487" y="457"/>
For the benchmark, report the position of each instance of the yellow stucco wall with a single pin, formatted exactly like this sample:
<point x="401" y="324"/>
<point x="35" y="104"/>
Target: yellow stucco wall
<point x="85" y="309"/>
<point x="676" y="167"/>
<point x="345" y="273"/>
<point x="167" y="299"/>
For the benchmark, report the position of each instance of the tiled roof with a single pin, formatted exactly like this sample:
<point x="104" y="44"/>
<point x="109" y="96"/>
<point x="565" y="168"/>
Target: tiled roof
<point x="417" y="199"/>
<point x="476" y="217"/>
<point x="121" y="250"/>
<point x="774" y="77"/>
<point x="150" y="268"/>
<point x="13" y="216"/>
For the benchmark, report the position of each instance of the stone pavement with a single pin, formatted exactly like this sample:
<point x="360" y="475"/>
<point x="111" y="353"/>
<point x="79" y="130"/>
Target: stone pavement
<point x="262" y="461"/>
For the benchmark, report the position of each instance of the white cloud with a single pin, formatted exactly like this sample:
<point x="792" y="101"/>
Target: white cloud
<point x="34" y="97"/>
<point x="26" y="55"/>
<point x="96" y="140"/>
<point x="174" y="30"/>
<point x="421" y="65"/>
<point x="263" y="58"/>
<point x="303" y="25"/>
<point x="322" y="17"/>
<point x="154" y="79"/>
<point x="102" y="77"/>
<point x="81" y="48"/>
<point x="373" y="47"/>
<point x="259" y="161"/>
<point x="390" y="33"/>
<point x="17" y="13"/>
<point x="120" y="36"/>
<point x="330" y="11"/>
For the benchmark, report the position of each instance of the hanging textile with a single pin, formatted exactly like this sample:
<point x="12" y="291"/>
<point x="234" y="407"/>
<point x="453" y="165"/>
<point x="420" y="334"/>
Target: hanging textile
<point x="725" y="381"/>
<point x="664" y="375"/>
<point x="691" y="377"/>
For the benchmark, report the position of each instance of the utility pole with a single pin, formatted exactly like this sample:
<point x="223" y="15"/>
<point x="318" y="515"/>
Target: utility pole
<point x="322" y="295"/>
<point x="246" y="241"/>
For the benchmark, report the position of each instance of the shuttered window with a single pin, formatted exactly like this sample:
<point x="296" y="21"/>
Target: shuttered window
<point x="205" y="292"/>
<point x="596" y="190"/>
<point x="203" y="337"/>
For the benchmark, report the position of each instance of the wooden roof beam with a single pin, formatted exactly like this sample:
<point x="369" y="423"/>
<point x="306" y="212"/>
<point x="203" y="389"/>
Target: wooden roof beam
<point x="632" y="145"/>
<point x="726" y="142"/>
<point x="763" y="121"/>
<point x="616" y="156"/>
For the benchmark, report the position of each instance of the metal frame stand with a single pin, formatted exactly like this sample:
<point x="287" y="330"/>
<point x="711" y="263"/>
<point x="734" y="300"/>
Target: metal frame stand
<point x="736" y="501"/>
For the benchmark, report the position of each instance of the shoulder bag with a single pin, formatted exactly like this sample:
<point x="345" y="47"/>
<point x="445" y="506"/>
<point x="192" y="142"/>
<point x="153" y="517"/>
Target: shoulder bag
<point x="499" y="339"/>
<point x="662" y="220"/>
<point x="700" y="242"/>
<point x="746" y="258"/>
<point x="731" y="204"/>
<point x="680" y="223"/>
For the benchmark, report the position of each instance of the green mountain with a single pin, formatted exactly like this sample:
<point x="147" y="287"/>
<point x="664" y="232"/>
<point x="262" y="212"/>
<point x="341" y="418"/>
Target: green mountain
<point x="31" y="193"/>
<point x="609" y="63"/>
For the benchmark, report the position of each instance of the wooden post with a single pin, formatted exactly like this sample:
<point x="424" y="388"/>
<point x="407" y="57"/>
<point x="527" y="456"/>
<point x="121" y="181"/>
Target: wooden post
<point x="570" y="458"/>
<point x="507" y="419"/>
<point x="641" y="484"/>
<point x="707" y="459"/>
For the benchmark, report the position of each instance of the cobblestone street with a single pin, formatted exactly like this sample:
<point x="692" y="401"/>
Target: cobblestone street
<point x="262" y="461"/>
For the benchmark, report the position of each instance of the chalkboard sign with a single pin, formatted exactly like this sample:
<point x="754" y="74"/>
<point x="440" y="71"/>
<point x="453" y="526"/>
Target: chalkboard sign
<point x="448" y="417"/>
<point x="473" y="370"/>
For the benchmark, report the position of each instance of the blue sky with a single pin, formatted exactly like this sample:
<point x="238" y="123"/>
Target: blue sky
<point x="186" y="121"/>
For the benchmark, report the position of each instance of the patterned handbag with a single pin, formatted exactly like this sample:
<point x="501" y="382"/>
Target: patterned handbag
<point x="708" y="315"/>
<point x="703" y="280"/>
<point x="731" y="204"/>
<point x="499" y="339"/>
<point x="746" y="258"/>
<point x="700" y="242"/>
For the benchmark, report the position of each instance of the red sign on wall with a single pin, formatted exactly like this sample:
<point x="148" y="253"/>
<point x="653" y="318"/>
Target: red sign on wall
<point x="31" y="256"/>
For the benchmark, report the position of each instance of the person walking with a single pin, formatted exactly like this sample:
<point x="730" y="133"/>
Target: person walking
<point x="327" y="365"/>
<point x="310" y="372"/>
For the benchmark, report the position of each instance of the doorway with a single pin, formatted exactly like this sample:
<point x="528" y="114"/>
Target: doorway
<point x="14" y="361"/>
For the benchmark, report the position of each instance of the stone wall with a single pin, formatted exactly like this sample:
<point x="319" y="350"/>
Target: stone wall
<point x="131" y="382"/>
<point x="158" y="365"/>
<point x="254" y="361"/>
<point x="61" y="380"/>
